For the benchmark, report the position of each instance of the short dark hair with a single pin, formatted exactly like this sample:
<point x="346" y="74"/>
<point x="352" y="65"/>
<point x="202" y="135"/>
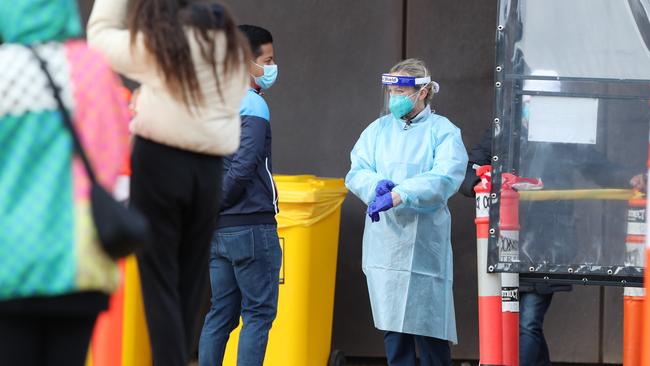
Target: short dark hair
<point x="257" y="36"/>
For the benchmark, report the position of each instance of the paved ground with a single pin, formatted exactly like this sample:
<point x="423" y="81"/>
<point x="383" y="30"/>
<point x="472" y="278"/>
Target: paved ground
<point x="374" y="362"/>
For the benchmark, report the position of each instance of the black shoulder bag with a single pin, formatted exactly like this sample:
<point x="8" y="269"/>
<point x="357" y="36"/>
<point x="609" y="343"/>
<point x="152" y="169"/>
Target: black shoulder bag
<point x="121" y="230"/>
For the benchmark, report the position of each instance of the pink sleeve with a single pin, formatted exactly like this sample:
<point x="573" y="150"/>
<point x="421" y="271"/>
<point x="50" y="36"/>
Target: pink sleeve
<point x="101" y="116"/>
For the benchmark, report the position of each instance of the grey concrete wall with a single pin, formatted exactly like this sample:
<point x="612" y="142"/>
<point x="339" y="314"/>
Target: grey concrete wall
<point x="330" y="55"/>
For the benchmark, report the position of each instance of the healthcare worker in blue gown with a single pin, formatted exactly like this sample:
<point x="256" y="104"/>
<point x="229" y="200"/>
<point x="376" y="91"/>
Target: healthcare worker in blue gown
<point x="405" y="166"/>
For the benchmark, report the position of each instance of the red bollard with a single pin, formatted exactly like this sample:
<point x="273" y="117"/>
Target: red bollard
<point x="645" y="340"/>
<point x="634" y="296"/>
<point x="509" y="252"/>
<point x="489" y="284"/>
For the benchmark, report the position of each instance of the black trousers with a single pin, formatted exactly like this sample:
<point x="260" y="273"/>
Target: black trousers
<point x="178" y="191"/>
<point x="400" y="350"/>
<point x="45" y="340"/>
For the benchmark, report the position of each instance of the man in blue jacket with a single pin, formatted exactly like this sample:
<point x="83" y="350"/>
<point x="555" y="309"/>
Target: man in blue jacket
<point x="245" y="255"/>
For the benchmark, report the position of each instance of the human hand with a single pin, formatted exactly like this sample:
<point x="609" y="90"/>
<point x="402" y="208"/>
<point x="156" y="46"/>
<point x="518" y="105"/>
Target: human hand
<point x="134" y="102"/>
<point x="397" y="199"/>
<point x="639" y="182"/>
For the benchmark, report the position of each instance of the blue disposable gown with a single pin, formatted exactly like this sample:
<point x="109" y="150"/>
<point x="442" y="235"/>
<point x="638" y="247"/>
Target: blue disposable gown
<point x="407" y="256"/>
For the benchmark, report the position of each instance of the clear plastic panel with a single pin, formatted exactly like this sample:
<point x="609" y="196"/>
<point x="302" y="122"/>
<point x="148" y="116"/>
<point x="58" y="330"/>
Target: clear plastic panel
<point x="572" y="108"/>
<point x="581" y="38"/>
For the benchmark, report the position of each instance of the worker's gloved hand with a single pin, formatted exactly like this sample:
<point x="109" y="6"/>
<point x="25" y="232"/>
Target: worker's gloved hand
<point x="374" y="217"/>
<point x="381" y="203"/>
<point x="383" y="187"/>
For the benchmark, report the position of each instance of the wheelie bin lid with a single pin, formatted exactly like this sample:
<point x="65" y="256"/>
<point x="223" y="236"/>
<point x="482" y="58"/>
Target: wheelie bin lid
<point x="307" y="199"/>
<point x="308" y="188"/>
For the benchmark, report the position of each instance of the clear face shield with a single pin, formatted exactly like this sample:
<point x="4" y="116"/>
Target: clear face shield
<point x="402" y="94"/>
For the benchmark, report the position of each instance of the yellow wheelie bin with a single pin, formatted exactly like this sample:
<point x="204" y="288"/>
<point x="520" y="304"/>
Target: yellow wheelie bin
<point x="308" y="227"/>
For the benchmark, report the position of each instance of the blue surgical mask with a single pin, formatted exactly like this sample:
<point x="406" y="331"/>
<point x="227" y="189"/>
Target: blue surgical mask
<point x="401" y="105"/>
<point x="268" y="79"/>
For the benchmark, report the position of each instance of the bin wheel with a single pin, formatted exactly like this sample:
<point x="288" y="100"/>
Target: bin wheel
<point x="337" y="358"/>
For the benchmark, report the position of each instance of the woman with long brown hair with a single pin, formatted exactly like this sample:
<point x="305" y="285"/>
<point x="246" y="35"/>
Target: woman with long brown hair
<point x="190" y="60"/>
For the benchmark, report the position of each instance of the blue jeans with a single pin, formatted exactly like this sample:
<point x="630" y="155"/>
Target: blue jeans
<point x="533" y="350"/>
<point x="244" y="274"/>
<point x="400" y="350"/>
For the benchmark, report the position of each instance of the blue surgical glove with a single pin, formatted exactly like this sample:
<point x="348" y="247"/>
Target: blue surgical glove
<point x="383" y="187"/>
<point x="374" y="217"/>
<point x="381" y="203"/>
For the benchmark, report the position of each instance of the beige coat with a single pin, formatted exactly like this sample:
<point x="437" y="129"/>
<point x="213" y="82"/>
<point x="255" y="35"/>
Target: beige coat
<point x="210" y="129"/>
